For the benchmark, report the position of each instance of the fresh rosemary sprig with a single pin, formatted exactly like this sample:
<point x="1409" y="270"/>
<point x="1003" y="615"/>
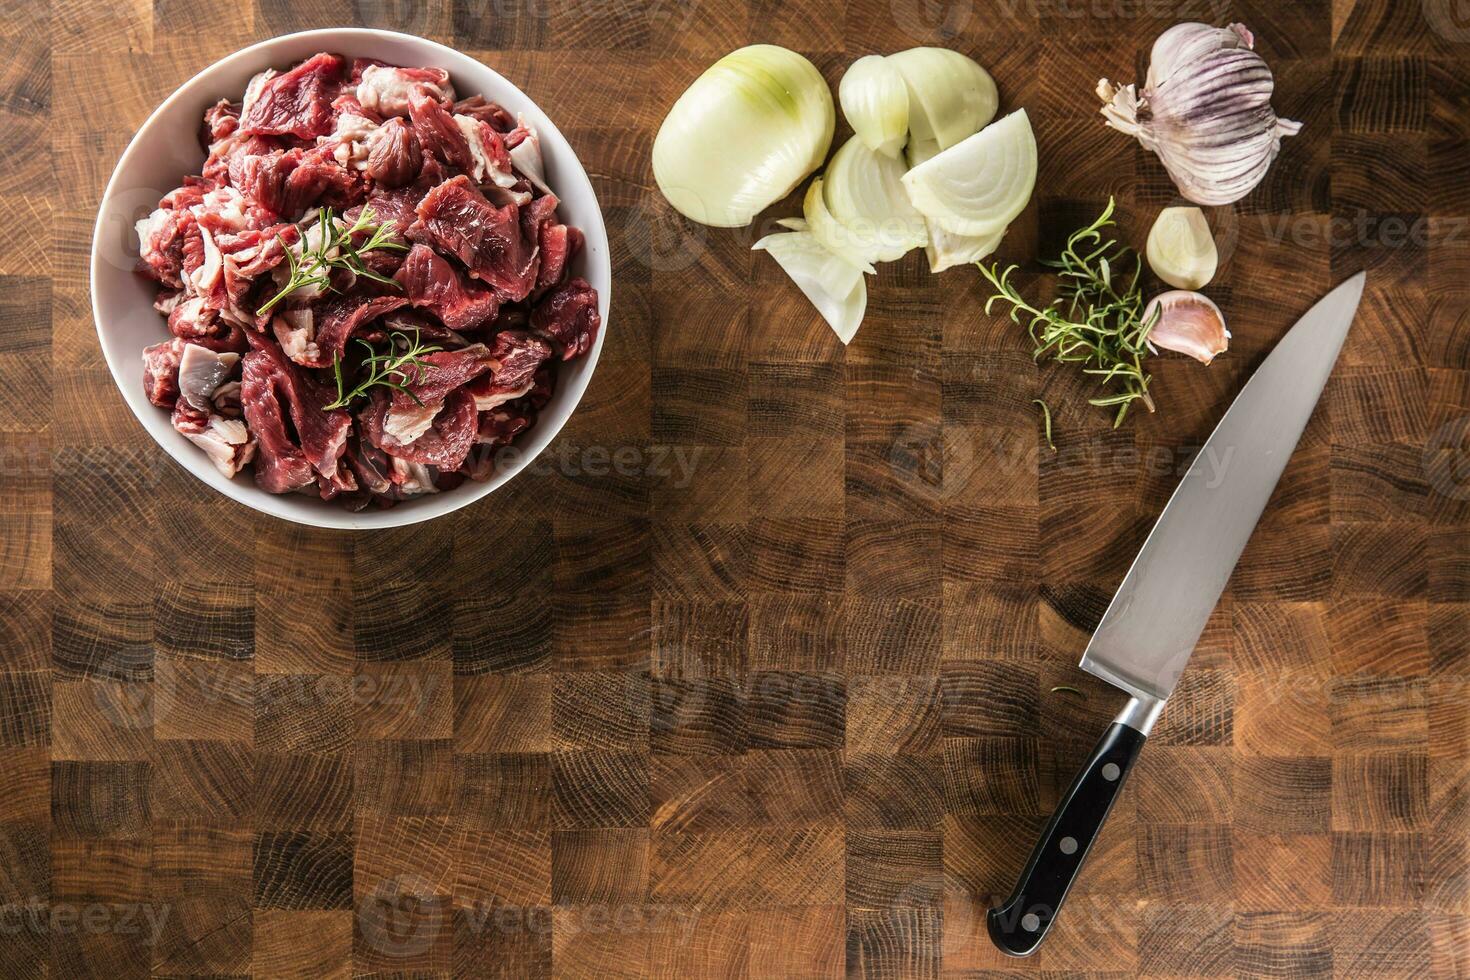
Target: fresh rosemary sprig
<point x="1096" y="320"/>
<point x="1046" y="421"/>
<point x="335" y="250"/>
<point x="399" y="367"/>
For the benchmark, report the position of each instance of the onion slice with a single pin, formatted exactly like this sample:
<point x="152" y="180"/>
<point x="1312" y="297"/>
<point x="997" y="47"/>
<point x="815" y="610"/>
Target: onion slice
<point x="838" y="238"/>
<point x="946" y="249"/>
<point x="950" y="96"/>
<point x="834" y="285"/>
<point x="979" y="185"/>
<point x="875" y="100"/>
<point x="743" y="135"/>
<point x="864" y="191"/>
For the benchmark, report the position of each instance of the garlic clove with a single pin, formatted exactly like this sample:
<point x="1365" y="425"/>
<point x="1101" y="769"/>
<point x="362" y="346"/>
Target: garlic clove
<point x="1187" y="322"/>
<point x="1180" y="248"/>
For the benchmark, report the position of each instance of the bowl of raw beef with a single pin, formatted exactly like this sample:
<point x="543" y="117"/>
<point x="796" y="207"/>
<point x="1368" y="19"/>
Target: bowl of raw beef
<point x="351" y="278"/>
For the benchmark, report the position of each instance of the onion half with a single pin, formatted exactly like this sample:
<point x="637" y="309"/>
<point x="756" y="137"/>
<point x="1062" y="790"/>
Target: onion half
<point x="743" y="135"/>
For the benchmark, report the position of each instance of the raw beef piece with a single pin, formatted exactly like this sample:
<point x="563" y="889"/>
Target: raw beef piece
<point x="370" y="465"/>
<point x="263" y="178"/>
<point x="568" y="316"/>
<point x="387" y="90"/>
<point x="486" y="239"/>
<point x="339" y="317"/>
<point x="268" y="379"/>
<point x="220" y="120"/>
<point x="516" y="357"/>
<point x="432" y="283"/>
<point x="321" y="179"/>
<point x="444" y="441"/>
<point x="227" y="442"/>
<point x="400" y="205"/>
<point x="439" y="134"/>
<point x="443" y="372"/>
<point x="489" y="160"/>
<point x="491" y="112"/>
<point x="161" y="238"/>
<point x="298" y="103"/>
<point x="161" y="372"/>
<point x="496" y="428"/>
<point x="201" y="372"/>
<point x="557" y="245"/>
<point x="393" y="156"/>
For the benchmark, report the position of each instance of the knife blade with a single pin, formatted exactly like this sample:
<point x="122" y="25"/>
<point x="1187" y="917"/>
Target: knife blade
<point x="1156" y="617"/>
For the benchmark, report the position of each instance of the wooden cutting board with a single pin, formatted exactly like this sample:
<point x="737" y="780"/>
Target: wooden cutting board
<point x="762" y="672"/>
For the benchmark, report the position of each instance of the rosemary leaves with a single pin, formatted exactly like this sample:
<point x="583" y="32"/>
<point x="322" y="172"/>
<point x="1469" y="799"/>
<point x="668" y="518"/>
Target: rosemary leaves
<point x="396" y="368"/>
<point x="335" y="249"/>
<point x="1096" y="321"/>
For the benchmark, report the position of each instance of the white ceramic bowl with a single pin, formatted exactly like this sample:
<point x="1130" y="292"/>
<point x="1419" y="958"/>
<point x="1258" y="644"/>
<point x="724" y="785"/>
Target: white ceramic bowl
<point x="167" y="149"/>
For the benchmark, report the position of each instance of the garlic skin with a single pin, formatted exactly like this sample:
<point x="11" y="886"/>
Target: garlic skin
<point x="1205" y="110"/>
<point x="1188" y="323"/>
<point x="1181" y="250"/>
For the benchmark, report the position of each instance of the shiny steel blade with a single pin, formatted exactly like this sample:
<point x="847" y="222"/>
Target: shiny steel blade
<point x="1154" y="621"/>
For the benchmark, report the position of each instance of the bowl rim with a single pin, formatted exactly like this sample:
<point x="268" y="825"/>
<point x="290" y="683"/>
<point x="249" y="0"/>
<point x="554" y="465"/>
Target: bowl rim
<point x="596" y="257"/>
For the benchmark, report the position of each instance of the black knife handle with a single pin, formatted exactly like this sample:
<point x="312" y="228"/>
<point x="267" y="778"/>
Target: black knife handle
<point x="1021" y="922"/>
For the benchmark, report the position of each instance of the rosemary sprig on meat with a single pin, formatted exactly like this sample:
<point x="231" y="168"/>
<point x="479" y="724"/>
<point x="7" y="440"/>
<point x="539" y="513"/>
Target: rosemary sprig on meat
<point x="396" y="368"/>
<point x="335" y="250"/>
<point x="1096" y="320"/>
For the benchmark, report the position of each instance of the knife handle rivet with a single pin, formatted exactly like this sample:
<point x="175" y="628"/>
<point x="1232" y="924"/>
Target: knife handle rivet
<point x="1068" y="845"/>
<point x="1030" y="922"/>
<point x="1111" y="772"/>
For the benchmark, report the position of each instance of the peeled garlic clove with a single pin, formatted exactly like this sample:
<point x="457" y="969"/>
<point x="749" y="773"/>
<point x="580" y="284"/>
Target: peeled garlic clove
<point x="1180" y="248"/>
<point x="1187" y="322"/>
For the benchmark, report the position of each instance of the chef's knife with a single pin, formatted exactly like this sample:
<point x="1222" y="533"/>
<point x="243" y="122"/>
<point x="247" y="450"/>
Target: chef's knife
<point x="1150" y="629"/>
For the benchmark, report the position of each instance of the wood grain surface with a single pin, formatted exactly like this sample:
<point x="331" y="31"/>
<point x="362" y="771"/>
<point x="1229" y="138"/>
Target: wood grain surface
<point x="755" y="674"/>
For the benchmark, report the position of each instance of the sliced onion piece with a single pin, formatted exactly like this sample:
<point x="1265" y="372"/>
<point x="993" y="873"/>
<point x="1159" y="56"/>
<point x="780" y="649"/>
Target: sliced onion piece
<point x="835" y="286"/>
<point x="792" y="224"/>
<point x="875" y="100"/>
<point x="864" y="191"/>
<point x="979" y="185"/>
<point x="826" y="229"/>
<point x="743" y="135"/>
<point x="946" y="249"/>
<point x="950" y="96"/>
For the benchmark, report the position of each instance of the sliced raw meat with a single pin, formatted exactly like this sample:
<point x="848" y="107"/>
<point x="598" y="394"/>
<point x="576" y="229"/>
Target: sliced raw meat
<point x="201" y="372"/>
<point x="387" y="90"/>
<point x="269" y="378"/>
<point x="491" y="112"/>
<point x="569" y="317"/>
<point x="488" y="240"/>
<point x="516" y="357"/>
<point x="489" y="160"/>
<point x="161" y="372"/>
<point x="339" y="317"/>
<point x="220" y="120"/>
<point x="393" y="155"/>
<point x="439" y="134"/>
<point x="432" y="283"/>
<point x="298" y="103"/>
<point x="226" y="442"/>
<point x="444" y="443"/>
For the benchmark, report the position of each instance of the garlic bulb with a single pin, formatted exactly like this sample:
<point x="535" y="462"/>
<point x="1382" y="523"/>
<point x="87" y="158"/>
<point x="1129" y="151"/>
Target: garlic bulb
<point x="1205" y="109"/>
<point x="1186" y="322"/>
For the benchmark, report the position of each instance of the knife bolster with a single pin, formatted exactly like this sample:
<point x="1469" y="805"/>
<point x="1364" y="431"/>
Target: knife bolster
<point x="1140" y="713"/>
